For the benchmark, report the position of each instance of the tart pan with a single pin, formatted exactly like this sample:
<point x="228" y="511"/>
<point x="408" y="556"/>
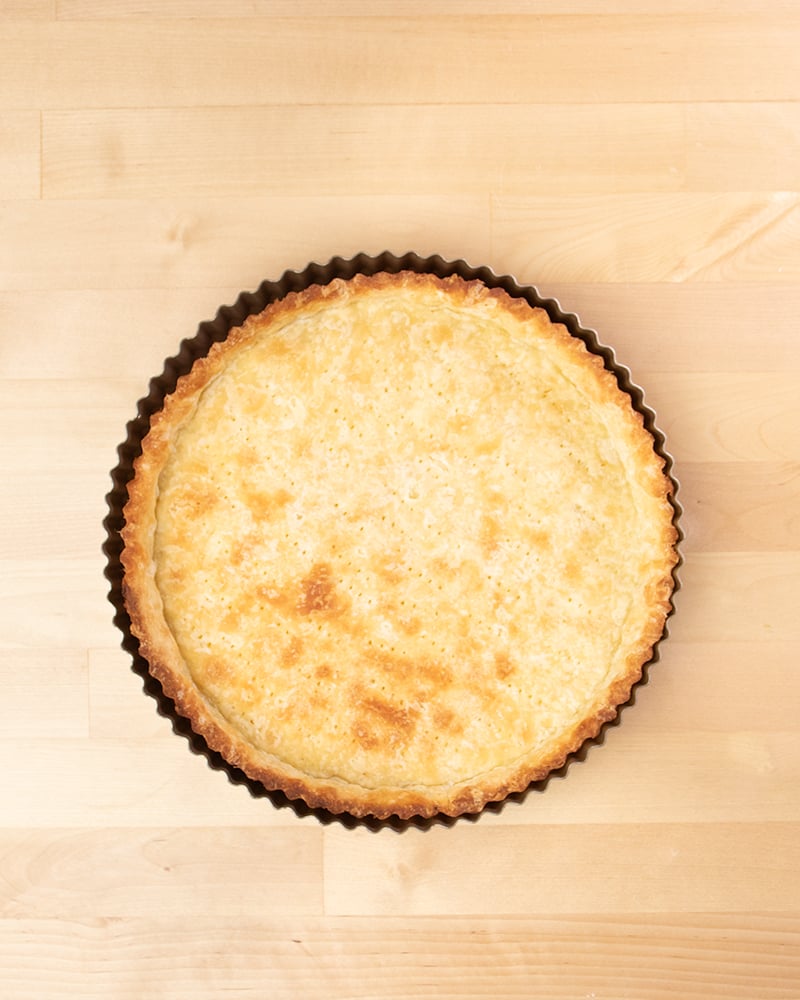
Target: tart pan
<point x="230" y="316"/>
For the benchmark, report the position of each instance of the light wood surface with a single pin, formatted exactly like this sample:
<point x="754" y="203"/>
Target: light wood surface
<point x="638" y="160"/>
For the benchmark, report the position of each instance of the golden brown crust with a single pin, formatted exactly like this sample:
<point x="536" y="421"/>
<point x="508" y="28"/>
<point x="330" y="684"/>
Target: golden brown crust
<point x="388" y="671"/>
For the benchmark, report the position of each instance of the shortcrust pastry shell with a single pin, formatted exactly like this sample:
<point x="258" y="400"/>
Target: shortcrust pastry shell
<point x="349" y="548"/>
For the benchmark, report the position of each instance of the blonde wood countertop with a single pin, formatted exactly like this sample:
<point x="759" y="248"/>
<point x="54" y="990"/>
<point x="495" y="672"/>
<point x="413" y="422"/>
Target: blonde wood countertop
<point x="638" y="160"/>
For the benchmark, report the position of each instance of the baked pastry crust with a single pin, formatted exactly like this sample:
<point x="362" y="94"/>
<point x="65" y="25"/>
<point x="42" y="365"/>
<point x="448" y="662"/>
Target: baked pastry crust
<point x="398" y="545"/>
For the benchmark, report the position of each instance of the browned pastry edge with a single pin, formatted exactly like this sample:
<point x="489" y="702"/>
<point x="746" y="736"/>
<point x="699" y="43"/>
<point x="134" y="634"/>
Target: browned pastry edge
<point x="159" y="649"/>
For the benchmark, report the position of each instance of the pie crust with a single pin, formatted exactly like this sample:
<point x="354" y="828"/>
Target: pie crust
<point x="398" y="545"/>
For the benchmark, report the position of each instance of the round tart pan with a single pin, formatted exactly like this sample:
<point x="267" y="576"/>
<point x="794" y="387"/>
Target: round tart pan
<point x="231" y="316"/>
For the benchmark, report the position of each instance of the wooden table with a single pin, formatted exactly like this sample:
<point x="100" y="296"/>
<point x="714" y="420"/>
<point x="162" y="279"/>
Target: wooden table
<point x="638" y="160"/>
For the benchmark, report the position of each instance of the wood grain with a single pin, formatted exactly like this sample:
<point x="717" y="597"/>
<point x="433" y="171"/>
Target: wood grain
<point x="78" y="873"/>
<point x="559" y="957"/>
<point x="546" y="59"/>
<point x="429" y="148"/>
<point x="634" y="160"/>
<point x="720" y="237"/>
<point x="608" y="869"/>
<point x="20" y="154"/>
<point x="177" y="242"/>
<point x="737" y="416"/>
<point x="746" y="507"/>
<point x="27" y="9"/>
<point x="155" y="9"/>
<point x="575" y="239"/>
<point x="44" y="696"/>
<point x="407" y="148"/>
